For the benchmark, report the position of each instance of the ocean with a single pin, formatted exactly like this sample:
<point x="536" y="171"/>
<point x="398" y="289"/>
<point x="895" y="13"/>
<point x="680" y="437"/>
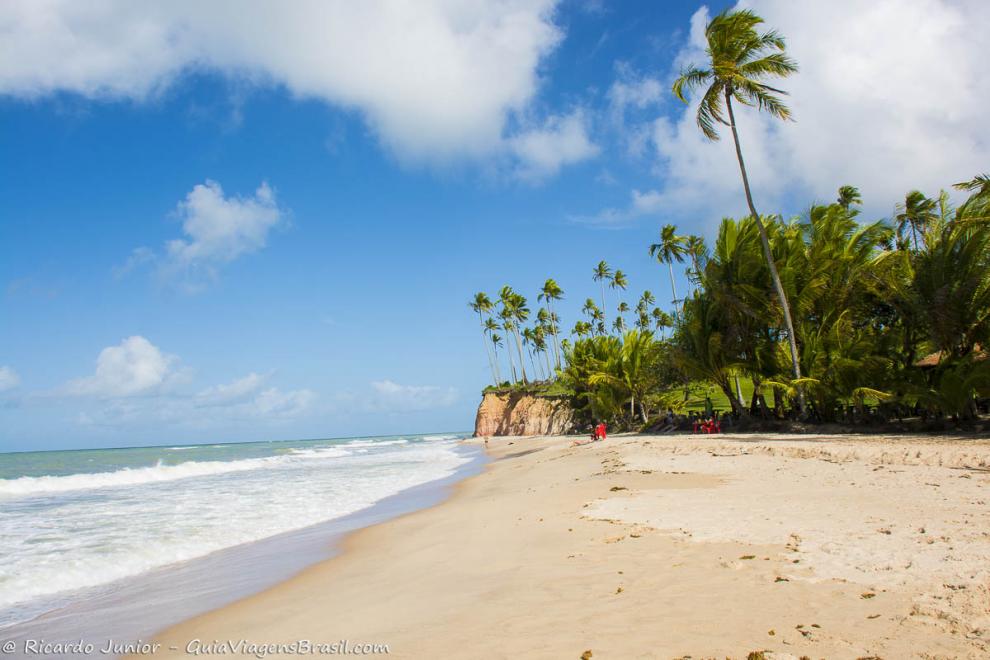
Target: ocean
<point x="109" y="526"/>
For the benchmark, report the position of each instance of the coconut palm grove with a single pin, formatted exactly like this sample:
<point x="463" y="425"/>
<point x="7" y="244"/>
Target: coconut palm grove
<point x="824" y="317"/>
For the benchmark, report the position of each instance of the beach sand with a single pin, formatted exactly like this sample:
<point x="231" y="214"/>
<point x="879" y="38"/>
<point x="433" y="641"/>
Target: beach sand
<point x="662" y="547"/>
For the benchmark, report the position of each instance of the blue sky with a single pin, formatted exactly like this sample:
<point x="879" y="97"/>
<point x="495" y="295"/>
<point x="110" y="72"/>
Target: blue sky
<point x="266" y="224"/>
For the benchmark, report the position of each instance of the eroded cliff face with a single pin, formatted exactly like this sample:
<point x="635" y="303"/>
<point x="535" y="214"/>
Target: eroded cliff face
<point x="523" y="414"/>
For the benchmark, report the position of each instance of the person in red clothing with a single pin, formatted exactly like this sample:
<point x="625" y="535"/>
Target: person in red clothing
<point x="600" y="431"/>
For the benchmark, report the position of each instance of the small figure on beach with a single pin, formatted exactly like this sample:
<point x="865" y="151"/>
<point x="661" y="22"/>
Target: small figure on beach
<point x="600" y="431"/>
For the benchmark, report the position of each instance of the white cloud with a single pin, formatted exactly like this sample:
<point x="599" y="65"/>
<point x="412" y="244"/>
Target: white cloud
<point x="890" y="96"/>
<point x="133" y="367"/>
<point x="389" y="396"/>
<point x="561" y="140"/>
<point x="218" y="229"/>
<point x="8" y="379"/>
<point x="233" y="392"/>
<point x="245" y="398"/>
<point x="434" y="79"/>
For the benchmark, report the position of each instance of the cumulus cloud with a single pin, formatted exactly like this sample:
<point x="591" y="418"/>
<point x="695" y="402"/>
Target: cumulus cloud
<point x="389" y="396"/>
<point x="136" y="383"/>
<point x="433" y="79"/>
<point x="890" y="97"/>
<point x="133" y="367"/>
<point x="9" y="379"/>
<point x="561" y="140"/>
<point x="218" y="229"/>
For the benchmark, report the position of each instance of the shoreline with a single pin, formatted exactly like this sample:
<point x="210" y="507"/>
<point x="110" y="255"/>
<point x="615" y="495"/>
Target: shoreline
<point x="136" y="607"/>
<point x="646" y="546"/>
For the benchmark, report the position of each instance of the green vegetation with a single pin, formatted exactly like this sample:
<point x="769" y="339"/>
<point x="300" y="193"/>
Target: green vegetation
<point x="823" y="317"/>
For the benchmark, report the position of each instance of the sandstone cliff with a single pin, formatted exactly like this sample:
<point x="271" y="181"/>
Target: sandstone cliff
<point x="515" y="413"/>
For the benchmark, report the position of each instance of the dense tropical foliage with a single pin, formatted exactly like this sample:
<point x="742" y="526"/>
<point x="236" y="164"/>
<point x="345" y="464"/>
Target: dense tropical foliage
<point x="884" y="320"/>
<point x="824" y="317"/>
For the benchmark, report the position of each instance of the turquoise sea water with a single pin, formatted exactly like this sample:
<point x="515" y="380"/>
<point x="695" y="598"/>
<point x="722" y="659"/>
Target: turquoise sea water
<point x="76" y="522"/>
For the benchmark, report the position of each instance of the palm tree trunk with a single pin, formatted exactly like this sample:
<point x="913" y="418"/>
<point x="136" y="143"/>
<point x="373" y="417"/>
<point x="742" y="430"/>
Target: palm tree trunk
<point x="768" y="255"/>
<point x="498" y="375"/>
<point x="604" y="313"/>
<point x="512" y="366"/>
<point x="522" y="360"/>
<point x="553" y="331"/>
<point x="673" y="289"/>
<point x="488" y="349"/>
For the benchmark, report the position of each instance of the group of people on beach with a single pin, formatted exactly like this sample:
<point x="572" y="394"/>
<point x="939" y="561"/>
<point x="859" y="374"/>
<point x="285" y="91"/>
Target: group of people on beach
<point x="711" y="423"/>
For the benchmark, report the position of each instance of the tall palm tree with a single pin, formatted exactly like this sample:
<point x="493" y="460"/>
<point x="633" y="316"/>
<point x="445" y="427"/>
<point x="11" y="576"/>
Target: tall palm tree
<point x="482" y="305"/>
<point x="506" y="315"/>
<point x="739" y="59"/>
<point x="916" y="213"/>
<point x="582" y="328"/>
<point x="601" y="273"/>
<point x="671" y="248"/>
<point x="496" y="342"/>
<point x="551" y="291"/>
<point x="520" y="313"/>
<point x="491" y="327"/>
<point x="514" y="312"/>
<point x="619" y="282"/>
<point x="529" y="340"/>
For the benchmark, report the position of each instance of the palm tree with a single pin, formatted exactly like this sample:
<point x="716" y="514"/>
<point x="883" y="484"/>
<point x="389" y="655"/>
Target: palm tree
<point x="602" y="272"/>
<point x="582" y="328"/>
<point x="619" y="282"/>
<point x="496" y="342"/>
<point x="529" y="340"/>
<point x="740" y="58"/>
<point x="491" y="326"/>
<point x="506" y="315"/>
<point x="848" y="195"/>
<point x="662" y="321"/>
<point x="482" y="304"/>
<point x="695" y="248"/>
<point x="620" y="321"/>
<point x="551" y="291"/>
<point x="671" y="248"/>
<point x="917" y="213"/>
<point x="592" y="311"/>
<point x="514" y="312"/>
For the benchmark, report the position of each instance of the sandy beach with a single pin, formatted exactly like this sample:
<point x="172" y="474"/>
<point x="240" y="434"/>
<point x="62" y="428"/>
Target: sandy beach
<point x="661" y="547"/>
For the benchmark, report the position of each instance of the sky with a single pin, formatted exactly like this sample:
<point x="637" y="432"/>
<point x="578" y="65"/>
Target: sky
<point x="240" y="221"/>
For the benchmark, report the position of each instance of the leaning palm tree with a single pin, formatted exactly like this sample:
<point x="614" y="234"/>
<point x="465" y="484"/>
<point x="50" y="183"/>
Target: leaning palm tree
<point x="551" y="291"/>
<point x="601" y="273"/>
<point x="482" y="305"/>
<point x="739" y="60"/>
<point x="671" y="248"/>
